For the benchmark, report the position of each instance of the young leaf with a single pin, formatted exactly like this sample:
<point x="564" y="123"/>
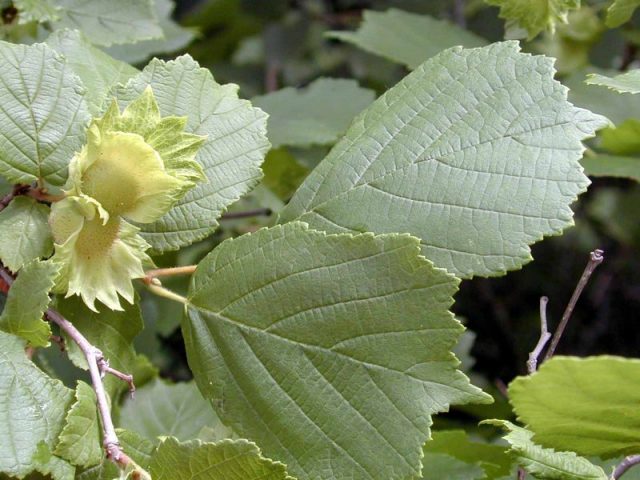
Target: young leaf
<point x="588" y="405"/>
<point x="112" y="22"/>
<point x="32" y="408"/>
<point x="112" y="331"/>
<point x="546" y="463"/>
<point x="228" y="460"/>
<point x="36" y="11"/>
<point x="628" y="82"/>
<point x="80" y="440"/>
<point x="621" y="12"/>
<point x="291" y="357"/>
<point x="231" y="156"/>
<point x="612" y="166"/>
<point x="535" y="15"/>
<point x="27" y="301"/>
<point x="98" y="71"/>
<point x="44" y="114"/>
<point x="24" y="232"/>
<point x="405" y="37"/>
<point x="315" y="115"/>
<point x="490" y="121"/>
<point x="161" y="409"/>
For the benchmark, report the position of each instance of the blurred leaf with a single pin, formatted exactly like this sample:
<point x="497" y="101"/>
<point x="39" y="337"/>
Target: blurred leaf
<point x="479" y="119"/>
<point x="405" y="37"/>
<point x="39" y="132"/>
<point x="32" y="408"/>
<point x="161" y="409"/>
<point x="24" y="232"/>
<point x="80" y="441"/>
<point x="535" y="15"/>
<point x="228" y="460"/>
<point x="315" y="115"/>
<point x="623" y="139"/>
<point x="175" y="38"/>
<point x="586" y="405"/>
<point x="601" y="165"/>
<point x="618" y="212"/>
<point x="612" y="105"/>
<point x="492" y="459"/>
<point x="27" y="301"/>
<point x="231" y="156"/>
<point x="546" y="463"/>
<point x="98" y="71"/>
<point x="112" y="22"/>
<point x="275" y="342"/>
<point x="36" y="11"/>
<point x="282" y="173"/>
<point x="440" y="466"/>
<point x="621" y="12"/>
<point x="628" y="82"/>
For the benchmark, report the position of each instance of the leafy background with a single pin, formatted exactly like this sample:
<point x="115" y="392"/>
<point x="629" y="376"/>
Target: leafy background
<point x="268" y="45"/>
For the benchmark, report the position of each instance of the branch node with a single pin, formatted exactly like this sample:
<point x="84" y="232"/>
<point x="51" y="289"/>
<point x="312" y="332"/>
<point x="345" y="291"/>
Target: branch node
<point x="532" y="363"/>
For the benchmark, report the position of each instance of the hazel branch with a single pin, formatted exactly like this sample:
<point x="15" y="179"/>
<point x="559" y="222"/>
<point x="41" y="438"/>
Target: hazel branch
<point x="258" y="212"/>
<point x="532" y="363"/>
<point x="625" y="465"/>
<point x="98" y="367"/>
<point x="167" y="272"/>
<point x="595" y="258"/>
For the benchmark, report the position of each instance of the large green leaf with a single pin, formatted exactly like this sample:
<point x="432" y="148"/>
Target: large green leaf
<point x="32" y="408"/>
<point x="80" y="440"/>
<point x="161" y="410"/>
<point x="491" y="459"/>
<point x="53" y="467"/>
<point x="546" y="463"/>
<point x="174" y="38"/>
<point x="475" y="152"/>
<point x="98" y="71"/>
<point x="112" y="22"/>
<point x="601" y="165"/>
<point x="405" y="37"/>
<point x="24" y="232"/>
<point x="228" y="460"/>
<point x="322" y="346"/>
<point x="628" y="82"/>
<point x="27" y="301"/>
<point x="231" y="156"/>
<point x="621" y="12"/>
<point x="315" y="115"/>
<point x="43" y="114"/>
<point x="589" y="406"/>
<point x="534" y="15"/>
<point x="111" y="331"/>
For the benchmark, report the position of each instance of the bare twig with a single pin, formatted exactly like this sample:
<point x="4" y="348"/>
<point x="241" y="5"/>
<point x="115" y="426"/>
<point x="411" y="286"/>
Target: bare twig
<point x="156" y="288"/>
<point x="532" y="363"/>
<point x="458" y="13"/>
<point x="94" y="359"/>
<point x="625" y="465"/>
<point x="167" y="272"/>
<point x="522" y="473"/>
<point x="595" y="258"/>
<point x="103" y="365"/>
<point x="258" y="212"/>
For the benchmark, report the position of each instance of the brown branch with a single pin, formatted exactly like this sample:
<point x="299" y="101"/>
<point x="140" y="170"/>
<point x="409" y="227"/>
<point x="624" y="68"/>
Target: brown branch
<point x="532" y="363"/>
<point x="95" y="359"/>
<point x="167" y="272"/>
<point x="595" y="258"/>
<point x="103" y="365"/>
<point x="258" y="212"/>
<point x="625" y="465"/>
